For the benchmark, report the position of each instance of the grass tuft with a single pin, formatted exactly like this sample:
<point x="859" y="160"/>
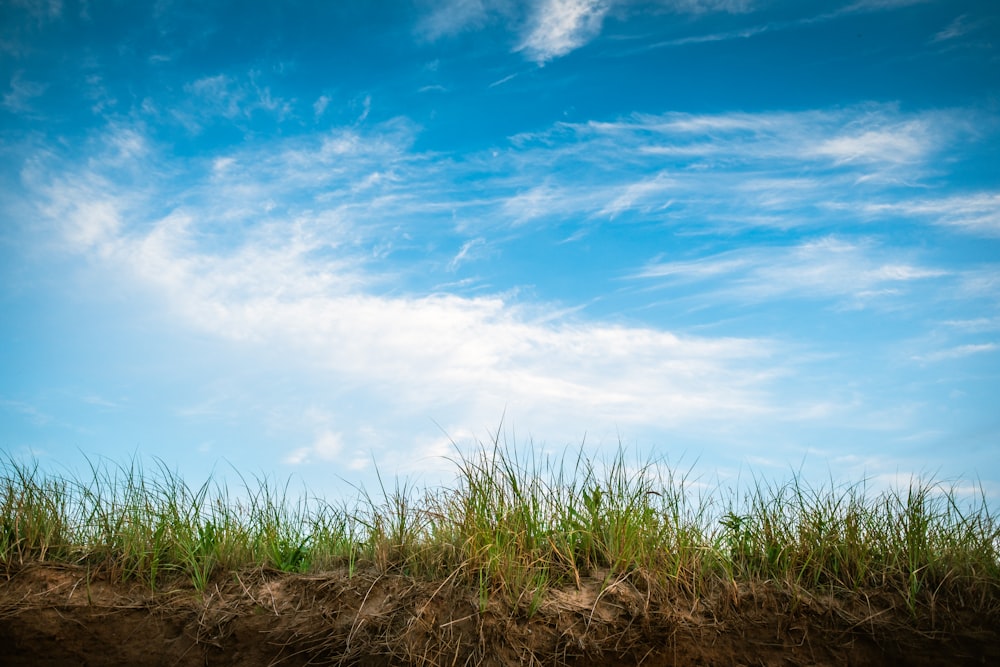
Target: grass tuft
<point x="515" y="524"/>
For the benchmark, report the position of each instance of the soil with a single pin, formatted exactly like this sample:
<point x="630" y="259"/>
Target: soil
<point x="57" y="615"/>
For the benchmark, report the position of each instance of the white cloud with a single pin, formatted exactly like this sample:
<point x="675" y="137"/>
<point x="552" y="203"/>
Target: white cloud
<point x="650" y="193"/>
<point x="549" y="29"/>
<point x="326" y="252"/>
<point x="974" y="213"/>
<point x="703" y="6"/>
<point x="450" y="17"/>
<point x="100" y="401"/>
<point x="298" y="283"/>
<point x="18" y="98"/>
<point x="878" y="5"/>
<point x="31" y="412"/>
<point x="217" y="94"/>
<point x="503" y="80"/>
<point x="319" y="106"/>
<point x="297" y="456"/>
<point x="89" y="222"/>
<point x="699" y="269"/>
<point x="41" y="10"/>
<point x="831" y="268"/>
<point x="232" y="98"/>
<point x="741" y="33"/>
<point x="736" y="170"/>
<point x="958" y="352"/>
<point x="327" y="445"/>
<point x="976" y="325"/>
<point x="366" y="108"/>
<point x="744" y="32"/>
<point x="903" y="143"/>
<point x="872" y="137"/>
<point x="980" y="282"/>
<point x="467" y="252"/>
<point x="560" y="26"/>
<point x="546" y="200"/>
<point x="959" y="27"/>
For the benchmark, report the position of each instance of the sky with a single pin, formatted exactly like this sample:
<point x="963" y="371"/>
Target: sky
<point x="332" y="241"/>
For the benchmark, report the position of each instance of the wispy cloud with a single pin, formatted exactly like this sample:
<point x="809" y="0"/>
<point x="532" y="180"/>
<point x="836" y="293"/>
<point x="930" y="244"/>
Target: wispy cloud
<point x="435" y="349"/>
<point x="560" y="26"/>
<point x="329" y="252"/>
<point x="327" y="446"/>
<point x="976" y="325"/>
<point x="959" y="27"/>
<point x="41" y="10"/>
<point x="739" y="33"/>
<point x="31" y="412"/>
<point x="760" y="27"/>
<point x="230" y="97"/>
<point x="702" y="6"/>
<point x="975" y="213"/>
<point x="18" y="98"/>
<point x="780" y="170"/>
<point x="851" y="273"/>
<point x="450" y="17"/>
<point x="550" y="29"/>
<point x="301" y="277"/>
<point x="958" y="352"/>
<point x="904" y="143"/>
<point x="467" y="252"/>
<point x="503" y="80"/>
<point x="320" y="105"/>
<point x="100" y="401"/>
<point x="776" y="169"/>
<point x="872" y="135"/>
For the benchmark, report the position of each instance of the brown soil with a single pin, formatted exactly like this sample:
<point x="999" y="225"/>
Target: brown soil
<point x="59" y="616"/>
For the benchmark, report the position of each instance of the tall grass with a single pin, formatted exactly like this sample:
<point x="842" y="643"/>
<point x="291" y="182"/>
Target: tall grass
<point x="515" y="523"/>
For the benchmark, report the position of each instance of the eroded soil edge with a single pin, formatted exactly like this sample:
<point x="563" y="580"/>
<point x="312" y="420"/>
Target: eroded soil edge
<point x="61" y="616"/>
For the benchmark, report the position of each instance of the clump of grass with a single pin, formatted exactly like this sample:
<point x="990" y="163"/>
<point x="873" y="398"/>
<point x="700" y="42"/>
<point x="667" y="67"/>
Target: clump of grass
<point x="525" y="522"/>
<point x="135" y="524"/>
<point x="919" y="542"/>
<point x="514" y="524"/>
<point x="35" y="520"/>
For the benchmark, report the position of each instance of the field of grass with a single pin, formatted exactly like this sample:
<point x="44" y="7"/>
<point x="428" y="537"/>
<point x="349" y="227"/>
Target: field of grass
<point x="516" y="529"/>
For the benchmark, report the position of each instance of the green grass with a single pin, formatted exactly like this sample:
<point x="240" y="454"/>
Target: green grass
<point x="516" y="524"/>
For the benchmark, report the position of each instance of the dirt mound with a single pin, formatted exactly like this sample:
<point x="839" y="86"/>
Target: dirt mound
<point x="61" y="616"/>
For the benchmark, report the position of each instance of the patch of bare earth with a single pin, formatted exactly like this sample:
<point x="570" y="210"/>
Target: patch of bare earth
<point x="53" y="615"/>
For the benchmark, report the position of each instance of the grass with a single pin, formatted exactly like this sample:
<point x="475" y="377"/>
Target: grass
<point x="515" y="525"/>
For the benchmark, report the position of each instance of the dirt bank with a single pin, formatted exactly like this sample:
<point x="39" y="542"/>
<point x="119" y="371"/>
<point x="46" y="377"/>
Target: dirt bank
<point x="59" y="616"/>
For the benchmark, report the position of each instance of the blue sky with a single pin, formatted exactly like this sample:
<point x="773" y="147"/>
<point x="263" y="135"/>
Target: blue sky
<point x="304" y="238"/>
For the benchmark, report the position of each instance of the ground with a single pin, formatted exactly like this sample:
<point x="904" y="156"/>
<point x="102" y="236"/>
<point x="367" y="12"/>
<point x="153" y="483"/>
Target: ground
<point x="60" y="615"/>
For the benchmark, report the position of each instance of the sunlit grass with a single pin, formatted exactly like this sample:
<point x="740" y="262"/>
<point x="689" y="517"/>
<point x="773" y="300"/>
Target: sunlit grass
<point x="515" y="524"/>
